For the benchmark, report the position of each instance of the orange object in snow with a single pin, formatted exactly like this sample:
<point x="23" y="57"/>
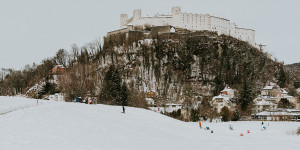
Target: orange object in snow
<point x="200" y="124"/>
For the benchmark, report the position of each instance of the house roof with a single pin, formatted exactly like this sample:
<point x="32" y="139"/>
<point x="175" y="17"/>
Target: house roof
<point x="265" y="103"/>
<point x="227" y="89"/>
<point x="149" y="99"/>
<point x="220" y="97"/>
<point x="226" y="99"/>
<point x="268" y="87"/>
<point x="284" y="91"/>
<point x="278" y="113"/>
<point x="168" y="104"/>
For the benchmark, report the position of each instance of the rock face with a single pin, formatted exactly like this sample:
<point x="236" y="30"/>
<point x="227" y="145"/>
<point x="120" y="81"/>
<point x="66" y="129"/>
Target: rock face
<point x="165" y="62"/>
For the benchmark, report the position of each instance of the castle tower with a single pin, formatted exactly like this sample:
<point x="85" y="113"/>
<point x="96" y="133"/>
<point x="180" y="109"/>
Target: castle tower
<point x="123" y="20"/>
<point x="176" y="10"/>
<point x="137" y="14"/>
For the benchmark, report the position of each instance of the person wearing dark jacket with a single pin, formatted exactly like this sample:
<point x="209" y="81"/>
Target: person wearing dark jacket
<point x="123" y="109"/>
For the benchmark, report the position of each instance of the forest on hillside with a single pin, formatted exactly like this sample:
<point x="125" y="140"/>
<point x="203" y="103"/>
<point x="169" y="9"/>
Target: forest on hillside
<point x="178" y="69"/>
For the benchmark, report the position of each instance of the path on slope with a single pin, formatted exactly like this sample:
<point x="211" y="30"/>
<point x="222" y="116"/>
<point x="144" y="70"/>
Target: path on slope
<point x="10" y="104"/>
<point x="58" y="125"/>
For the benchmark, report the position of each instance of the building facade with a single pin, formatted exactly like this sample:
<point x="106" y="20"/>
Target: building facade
<point x="224" y="99"/>
<point x="189" y="21"/>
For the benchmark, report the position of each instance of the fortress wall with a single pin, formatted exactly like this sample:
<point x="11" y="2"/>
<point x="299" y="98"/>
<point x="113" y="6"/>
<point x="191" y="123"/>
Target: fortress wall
<point x="220" y="25"/>
<point x="159" y="29"/>
<point x="189" y="21"/>
<point x="245" y="35"/>
<point x="153" y="21"/>
<point x="192" y="21"/>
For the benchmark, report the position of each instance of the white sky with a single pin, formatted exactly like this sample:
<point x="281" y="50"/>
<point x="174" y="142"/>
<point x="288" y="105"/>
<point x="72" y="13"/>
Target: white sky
<point x="32" y="30"/>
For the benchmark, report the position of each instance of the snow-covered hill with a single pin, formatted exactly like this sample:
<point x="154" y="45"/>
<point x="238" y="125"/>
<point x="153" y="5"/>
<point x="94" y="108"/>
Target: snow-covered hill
<point x="72" y="126"/>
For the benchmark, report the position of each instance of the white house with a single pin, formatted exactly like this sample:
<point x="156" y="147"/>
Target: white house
<point x="223" y="99"/>
<point x="170" y="107"/>
<point x="150" y="101"/>
<point x="262" y="104"/>
<point x="158" y="109"/>
<point x="220" y="101"/>
<point x="272" y="93"/>
<point x="56" y="97"/>
<point x="278" y="114"/>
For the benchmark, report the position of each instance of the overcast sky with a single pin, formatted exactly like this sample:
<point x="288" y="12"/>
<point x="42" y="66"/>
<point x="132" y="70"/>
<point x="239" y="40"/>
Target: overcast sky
<point x="32" y="30"/>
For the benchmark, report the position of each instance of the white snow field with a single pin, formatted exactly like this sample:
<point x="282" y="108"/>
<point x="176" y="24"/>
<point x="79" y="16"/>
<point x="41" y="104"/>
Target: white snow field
<point x="72" y="126"/>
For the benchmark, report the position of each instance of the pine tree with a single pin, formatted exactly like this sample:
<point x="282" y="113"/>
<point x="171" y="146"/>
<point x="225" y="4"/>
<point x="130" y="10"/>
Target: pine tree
<point x="205" y="108"/>
<point x="281" y="80"/>
<point x="246" y="96"/>
<point x="285" y="103"/>
<point x="110" y="93"/>
<point x="124" y="95"/>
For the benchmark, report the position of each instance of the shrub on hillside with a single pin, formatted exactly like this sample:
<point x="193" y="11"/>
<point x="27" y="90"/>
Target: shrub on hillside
<point x="226" y="114"/>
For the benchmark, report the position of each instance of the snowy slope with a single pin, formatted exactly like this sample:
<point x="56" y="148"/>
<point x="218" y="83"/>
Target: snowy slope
<point x="70" y="126"/>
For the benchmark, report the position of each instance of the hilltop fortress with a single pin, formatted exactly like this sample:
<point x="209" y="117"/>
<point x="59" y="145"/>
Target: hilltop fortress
<point x="188" y="21"/>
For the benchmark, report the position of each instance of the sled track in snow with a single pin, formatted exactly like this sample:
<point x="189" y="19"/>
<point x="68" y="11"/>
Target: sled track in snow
<point x="3" y="112"/>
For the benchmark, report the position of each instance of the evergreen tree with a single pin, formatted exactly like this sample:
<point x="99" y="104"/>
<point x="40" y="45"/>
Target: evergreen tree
<point x="296" y="84"/>
<point x="205" y="108"/>
<point x="48" y="88"/>
<point x="194" y="115"/>
<point x="124" y="95"/>
<point x="285" y="103"/>
<point x="281" y="80"/>
<point x="110" y="93"/>
<point x="246" y="96"/>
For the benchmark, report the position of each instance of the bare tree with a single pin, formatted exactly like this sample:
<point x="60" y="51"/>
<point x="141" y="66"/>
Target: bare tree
<point x="78" y="81"/>
<point x="61" y="57"/>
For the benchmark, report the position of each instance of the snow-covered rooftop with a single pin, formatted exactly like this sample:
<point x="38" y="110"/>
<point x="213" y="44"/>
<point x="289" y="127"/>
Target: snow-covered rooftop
<point x="227" y="89"/>
<point x="169" y="104"/>
<point x="149" y="99"/>
<point x="284" y="91"/>
<point x="221" y="97"/>
<point x="265" y="103"/>
<point x="268" y="87"/>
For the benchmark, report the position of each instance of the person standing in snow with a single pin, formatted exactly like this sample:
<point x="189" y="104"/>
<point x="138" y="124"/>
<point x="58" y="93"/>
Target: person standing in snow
<point x="123" y="109"/>
<point x="200" y="124"/>
<point x="262" y="123"/>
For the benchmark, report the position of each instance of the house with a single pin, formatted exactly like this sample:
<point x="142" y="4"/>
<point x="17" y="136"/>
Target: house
<point x="150" y="94"/>
<point x="278" y="115"/>
<point x="56" y="97"/>
<point x="220" y="101"/>
<point x="58" y="70"/>
<point x="224" y="99"/>
<point x="158" y="109"/>
<point x="261" y="103"/>
<point x="170" y="107"/>
<point x="150" y="101"/>
<point x="270" y="96"/>
<point x="228" y="92"/>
